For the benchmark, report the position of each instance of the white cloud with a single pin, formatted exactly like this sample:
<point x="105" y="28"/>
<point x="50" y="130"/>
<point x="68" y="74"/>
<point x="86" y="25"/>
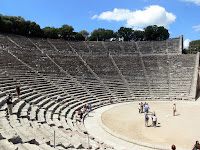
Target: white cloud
<point x="196" y="28"/>
<point x="197" y="2"/>
<point x="152" y="15"/>
<point x="94" y="17"/>
<point x="186" y="43"/>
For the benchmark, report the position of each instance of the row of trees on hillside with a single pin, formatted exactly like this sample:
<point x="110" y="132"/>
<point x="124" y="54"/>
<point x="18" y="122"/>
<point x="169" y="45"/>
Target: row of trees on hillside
<point x="149" y="33"/>
<point x="19" y="26"/>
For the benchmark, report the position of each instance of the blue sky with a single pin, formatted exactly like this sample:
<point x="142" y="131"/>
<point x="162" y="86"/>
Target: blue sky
<point x="180" y="17"/>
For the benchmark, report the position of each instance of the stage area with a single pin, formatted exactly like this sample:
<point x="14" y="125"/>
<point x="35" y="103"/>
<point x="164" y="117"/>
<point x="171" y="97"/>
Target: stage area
<point x="182" y="130"/>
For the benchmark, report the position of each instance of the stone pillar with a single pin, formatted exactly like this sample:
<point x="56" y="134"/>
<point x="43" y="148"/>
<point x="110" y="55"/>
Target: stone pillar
<point x="180" y="50"/>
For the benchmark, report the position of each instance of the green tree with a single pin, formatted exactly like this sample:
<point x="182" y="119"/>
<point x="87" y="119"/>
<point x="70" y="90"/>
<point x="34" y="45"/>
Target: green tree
<point x="126" y="33"/>
<point x="35" y="30"/>
<point x="85" y="34"/>
<point x="66" y="32"/>
<point x="97" y="35"/>
<point x="156" y="33"/>
<point x="79" y="36"/>
<point x="108" y="34"/>
<point x="51" y="32"/>
<point x="138" y="35"/>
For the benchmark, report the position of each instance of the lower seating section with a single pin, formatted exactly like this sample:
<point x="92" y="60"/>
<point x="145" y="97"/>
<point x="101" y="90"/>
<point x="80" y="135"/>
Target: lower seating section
<point x="36" y="115"/>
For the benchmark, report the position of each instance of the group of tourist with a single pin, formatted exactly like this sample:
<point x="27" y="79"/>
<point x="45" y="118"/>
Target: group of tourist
<point x="9" y="98"/>
<point x="145" y="108"/>
<point x="86" y="109"/>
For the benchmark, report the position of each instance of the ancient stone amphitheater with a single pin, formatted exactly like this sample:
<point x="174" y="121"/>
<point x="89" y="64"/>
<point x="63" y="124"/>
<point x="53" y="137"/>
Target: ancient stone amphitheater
<point x="83" y="72"/>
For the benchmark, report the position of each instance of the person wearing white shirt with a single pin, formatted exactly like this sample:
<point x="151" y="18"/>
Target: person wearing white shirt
<point x="154" y="120"/>
<point x="139" y="108"/>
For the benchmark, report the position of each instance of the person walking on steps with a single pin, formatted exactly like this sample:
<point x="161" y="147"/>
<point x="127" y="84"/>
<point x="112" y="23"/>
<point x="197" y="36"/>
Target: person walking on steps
<point x="9" y="103"/>
<point x="18" y="91"/>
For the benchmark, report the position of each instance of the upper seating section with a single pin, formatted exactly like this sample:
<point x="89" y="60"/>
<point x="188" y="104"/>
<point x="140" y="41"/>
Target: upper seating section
<point x="173" y="46"/>
<point x="23" y="42"/>
<point x="181" y="74"/>
<point x="80" y="47"/>
<point x="145" y="47"/>
<point x="103" y="69"/>
<point x="62" y="46"/>
<point x="96" y="47"/>
<point x="72" y="64"/>
<point x="159" y="47"/>
<point x="128" y="47"/>
<point x="54" y="46"/>
<point x="113" y="47"/>
<point x="4" y="42"/>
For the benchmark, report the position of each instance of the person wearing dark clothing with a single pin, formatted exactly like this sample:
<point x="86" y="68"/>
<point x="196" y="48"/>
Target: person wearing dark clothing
<point x="146" y="120"/>
<point x="141" y="107"/>
<point x="9" y="103"/>
<point x="18" y="91"/>
<point x="196" y="146"/>
<point x="173" y="147"/>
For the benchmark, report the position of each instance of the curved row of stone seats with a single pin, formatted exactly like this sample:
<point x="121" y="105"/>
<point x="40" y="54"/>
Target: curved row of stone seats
<point x="22" y="134"/>
<point x="96" y="88"/>
<point x="128" y="47"/>
<point x="157" y="68"/>
<point x="32" y="79"/>
<point x="81" y="47"/>
<point x="131" y="69"/>
<point x="145" y="47"/>
<point x="181" y="74"/>
<point x="96" y="48"/>
<point x="23" y="43"/>
<point x="5" y="43"/>
<point x="113" y="47"/>
<point x="56" y="119"/>
<point x="75" y="67"/>
<point x="159" y="47"/>
<point x="38" y="61"/>
<point x="43" y="44"/>
<point x="108" y="74"/>
<point x="40" y="134"/>
<point x="76" y="91"/>
<point x="173" y="46"/>
<point x="62" y="46"/>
